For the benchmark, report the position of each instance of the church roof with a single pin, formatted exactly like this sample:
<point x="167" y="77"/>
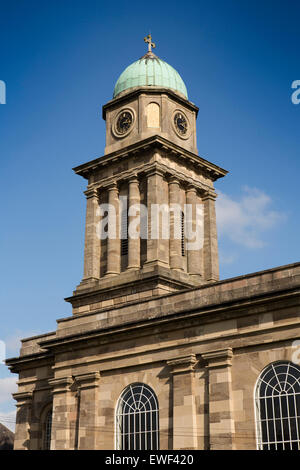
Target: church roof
<point x="150" y="71"/>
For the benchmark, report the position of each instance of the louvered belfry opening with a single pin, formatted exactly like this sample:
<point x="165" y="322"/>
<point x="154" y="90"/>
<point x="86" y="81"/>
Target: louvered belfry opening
<point x="182" y="234"/>
<point x="124" y="229"/>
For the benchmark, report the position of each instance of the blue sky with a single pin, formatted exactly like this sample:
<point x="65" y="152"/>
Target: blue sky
<point x="60" y="61"/>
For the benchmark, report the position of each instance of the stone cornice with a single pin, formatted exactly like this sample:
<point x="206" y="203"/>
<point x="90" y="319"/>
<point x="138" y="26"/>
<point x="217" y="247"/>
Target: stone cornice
<point x="182" y="364"/>
<point x="90" y="380"/>
<point x="156" y="168"/>
<point x="91" y="192"/>
<point x="138" y="325"/>
<point x="116" y="102"/>
<point x="139" y="329"/>
<point x="28" y="360"/>
<point x="157" y="142"/>
<point x="238" y="306"/>
<point x="148" y="356"/>
<point x="61" y="384"/>
<point x="105" y="285"/>
<point x="209" y="195"/>
<point x="218" y="358"/>
<point x="23" y="398"/>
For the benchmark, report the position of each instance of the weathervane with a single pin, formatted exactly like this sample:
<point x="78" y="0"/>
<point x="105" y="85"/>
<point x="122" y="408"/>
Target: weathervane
<point x="148" y="39"/>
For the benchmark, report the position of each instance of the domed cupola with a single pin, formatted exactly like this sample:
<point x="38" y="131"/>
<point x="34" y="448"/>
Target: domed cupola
<point x="150" y="71"/>
<point x="150" y="100"/>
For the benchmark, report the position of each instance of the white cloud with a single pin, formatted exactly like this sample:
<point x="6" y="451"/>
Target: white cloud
<point x="243" y="221"/>
<point x="7" y="387"/>
<point x="226" y="259"/>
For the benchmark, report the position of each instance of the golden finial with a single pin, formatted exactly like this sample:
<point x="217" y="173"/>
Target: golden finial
<point x="151" y="44"/>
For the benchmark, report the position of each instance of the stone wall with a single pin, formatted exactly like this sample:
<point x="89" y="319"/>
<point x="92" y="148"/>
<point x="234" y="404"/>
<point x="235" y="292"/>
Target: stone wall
<point x="201" y="351"/>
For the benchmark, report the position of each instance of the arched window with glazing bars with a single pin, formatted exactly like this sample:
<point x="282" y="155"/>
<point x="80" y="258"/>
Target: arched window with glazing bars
<point x="137" y="419"/>
<point x="277" y="407"/>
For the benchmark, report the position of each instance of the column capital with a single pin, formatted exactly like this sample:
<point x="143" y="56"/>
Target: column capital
<point x="61" y="384"/>
<point x="90" y="380"/>
<point x="190" y="188"/>
<point x="23" y="398"/>
<point x="182" y="364"/>
<point x="113" y="186"/>
<point x="209" y="194"/>
<point x="133" y="179"/>
<point x="174" y="180"/>
<point x="91" y="192"/>
<point x="218" y="358"/>
<point x="154" y="171"/>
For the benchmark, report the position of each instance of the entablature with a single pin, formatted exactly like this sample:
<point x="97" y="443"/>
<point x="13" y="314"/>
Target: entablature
<point x="156" y="143"/>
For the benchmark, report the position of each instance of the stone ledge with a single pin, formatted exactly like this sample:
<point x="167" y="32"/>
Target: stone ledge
<point x="153" y="90"/>
<point x="224" y="291"/>
<point x="165" y="309"/>
<point x="182" y="364"/>
<point x="149" y="282"/>
<point x="23" y="398"/>
<point x="218" y="358"/>
<point x="61" y="384"/>
<point x="89" y="380"/>
<point x="143" y="145"/>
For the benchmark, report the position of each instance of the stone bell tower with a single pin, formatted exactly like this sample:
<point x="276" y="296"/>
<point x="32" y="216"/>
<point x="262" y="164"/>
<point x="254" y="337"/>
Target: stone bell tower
<point x="150" y="162"/>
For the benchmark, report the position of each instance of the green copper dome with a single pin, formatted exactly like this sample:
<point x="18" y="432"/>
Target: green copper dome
<point x="150" y="71"/>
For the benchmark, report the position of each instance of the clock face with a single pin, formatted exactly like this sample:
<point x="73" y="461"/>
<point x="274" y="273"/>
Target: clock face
<point x="180" y="123"/>
<point x="124" y="122"/>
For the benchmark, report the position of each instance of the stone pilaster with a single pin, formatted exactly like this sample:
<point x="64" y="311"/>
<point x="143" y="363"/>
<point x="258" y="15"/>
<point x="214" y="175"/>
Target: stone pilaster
<point x="176" y="258"/>
<point x="184" y="406"/>
<point x="211" y="258"/>
<point x="134" y="238"/>
<point x="92" y="242"/>
<point x="87" y="428"/>
<point x="194" y="261"/>
<point x="113" y="240"/>
<point x="221" y="420"/>
<point x="23" y="420"/>
<point x="62" y="434"/>
<point x="157" y="246"/>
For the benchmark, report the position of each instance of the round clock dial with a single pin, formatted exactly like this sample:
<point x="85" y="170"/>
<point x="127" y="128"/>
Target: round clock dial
<point x="124" y="122"/>
<point x="180" y="123"/>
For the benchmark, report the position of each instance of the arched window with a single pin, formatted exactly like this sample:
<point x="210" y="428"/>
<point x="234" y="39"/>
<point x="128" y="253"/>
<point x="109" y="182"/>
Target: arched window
<point x="153" y="118"/>
<point x="277" y="398"/>
<point x="137" y="420"/>
<point x="47" y="430"/>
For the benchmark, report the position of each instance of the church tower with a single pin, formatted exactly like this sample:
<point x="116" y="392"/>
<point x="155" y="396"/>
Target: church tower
<point x="150" y="178"/>
<point x="159" y="353"/>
